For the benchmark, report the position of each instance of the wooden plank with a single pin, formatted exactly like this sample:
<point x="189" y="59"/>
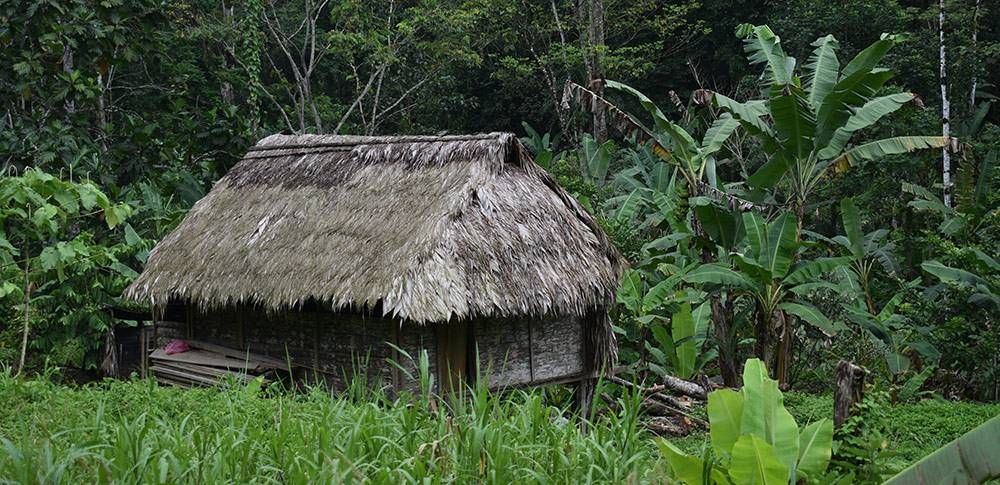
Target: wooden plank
<point x="173" y="382"/>
<point x="557" y="348"/>
<point x="201" y="357"/>
<point x="215" y="375"/>
<point x="183" y="376"/>
<point x="202" y="370"/>
<point x="262" y="360"/>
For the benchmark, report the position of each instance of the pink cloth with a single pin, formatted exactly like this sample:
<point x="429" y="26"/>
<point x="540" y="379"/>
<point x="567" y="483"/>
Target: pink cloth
<point x="176" y="347"/>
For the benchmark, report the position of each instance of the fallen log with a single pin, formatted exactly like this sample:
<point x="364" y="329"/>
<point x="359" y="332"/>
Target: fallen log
<point x="686" y="388"/>
<point x="681" y="386"/>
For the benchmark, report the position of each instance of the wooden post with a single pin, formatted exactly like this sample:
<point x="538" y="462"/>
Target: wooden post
<point x="584" y="398"/>
<point x="849" y="390"/>
<point x="453" y="350"/>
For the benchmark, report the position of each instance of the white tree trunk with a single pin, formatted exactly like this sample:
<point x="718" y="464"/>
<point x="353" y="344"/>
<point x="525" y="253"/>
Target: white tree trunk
<point x="975" y="52"/>
<point x="945" y="111"/>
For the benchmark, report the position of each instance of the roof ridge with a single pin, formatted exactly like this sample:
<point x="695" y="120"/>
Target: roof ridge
<point x="352" y="140"/>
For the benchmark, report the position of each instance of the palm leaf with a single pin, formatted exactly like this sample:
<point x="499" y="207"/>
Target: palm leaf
<point x="823" y="69"/>
<point x="809" y="271"/>
<point x="952" y="275"/>
<point x="750" y="113"/>
<point x="763" y="46"/>
<point x="793" y="121"/>
<point x="770" y="172"/>
<point x="621" y="120"/>
<point x="850" y="91"/>
<point x="888" y="146"/>
<point x="718" y="133"/>
<point x="719" y="275"/>
<point x="852" y="226"/>
<point x="780" y="245"/>
<point x="756" y="234"/>
<point x="811" y="315"/>
<point x="863" y="117"/>
<point x="867" y="59"/>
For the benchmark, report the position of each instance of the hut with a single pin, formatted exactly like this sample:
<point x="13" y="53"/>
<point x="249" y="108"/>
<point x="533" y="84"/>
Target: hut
<point x="335" y="251"/>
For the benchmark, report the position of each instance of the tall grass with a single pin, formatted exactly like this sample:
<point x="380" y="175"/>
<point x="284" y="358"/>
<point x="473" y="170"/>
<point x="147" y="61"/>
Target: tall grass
<point x="131" y="432"/>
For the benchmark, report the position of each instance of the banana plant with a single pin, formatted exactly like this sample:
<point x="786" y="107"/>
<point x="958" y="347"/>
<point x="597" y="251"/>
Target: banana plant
<point x="984" y="291"/>
<point x="543" y="147"/>
<point x="694" y="160"/>
<point x="753" y="439"/>
<point x="595" y="159"/>
<point x="676" y="317"/>
<point x="976" y="204"/>
<point x="806" y="123"/>
<point x="768" y="273"/>
<point x="865" y="250"/>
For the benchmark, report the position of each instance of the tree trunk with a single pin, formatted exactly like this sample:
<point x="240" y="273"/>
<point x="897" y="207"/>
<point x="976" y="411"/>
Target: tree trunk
<point x="764" y="347"/>
<point x="849" y="390"/>
<point x="584" y="396"/>
<point x="597" y="76"/>
<point x="784" y="351"/>
<point x="102" y="109"/>
<point x="726" y="342"/>
<point x="227" y="89"/>
<point x="67" y="66"/>
<point x="591" y="16"/>
<point x="975" y="52"/>
<point x="945" y="110"/>
<point x="722" y="314"/>
<point x="27" y="310"/>
<point x="783" y="331"/>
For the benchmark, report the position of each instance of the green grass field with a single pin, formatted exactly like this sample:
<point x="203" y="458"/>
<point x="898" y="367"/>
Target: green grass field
<point x="131" y="432"/>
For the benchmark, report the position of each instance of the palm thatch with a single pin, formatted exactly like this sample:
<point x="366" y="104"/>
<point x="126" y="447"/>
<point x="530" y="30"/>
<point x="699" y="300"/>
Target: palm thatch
<point x="429" y="229"/>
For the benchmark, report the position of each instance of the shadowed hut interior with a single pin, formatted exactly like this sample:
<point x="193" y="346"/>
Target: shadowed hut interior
<point x="327" y="249"/>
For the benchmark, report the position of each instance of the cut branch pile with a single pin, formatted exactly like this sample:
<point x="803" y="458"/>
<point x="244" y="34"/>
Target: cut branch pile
<point x="668" y="415"/>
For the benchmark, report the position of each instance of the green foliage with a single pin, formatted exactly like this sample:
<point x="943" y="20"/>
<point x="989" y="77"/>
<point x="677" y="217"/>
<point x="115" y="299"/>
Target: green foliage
<point x="973" y="458"/>
<point x="754" y="439"/>
<point x="804" y="130"/>
<point x="53" y="266"/>
<point x="138" y="432"/>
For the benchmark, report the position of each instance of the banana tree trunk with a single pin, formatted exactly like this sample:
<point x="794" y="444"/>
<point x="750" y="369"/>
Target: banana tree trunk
<point x="764" y="336"/>
<point x="726" y="341"/>
<point x="784" y="351"/>
<point x="784" y="323"/>
<point x="722" y="315"/>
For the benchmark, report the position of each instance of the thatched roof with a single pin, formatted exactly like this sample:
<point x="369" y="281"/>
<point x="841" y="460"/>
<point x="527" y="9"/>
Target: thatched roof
<point x="428" y="229"/>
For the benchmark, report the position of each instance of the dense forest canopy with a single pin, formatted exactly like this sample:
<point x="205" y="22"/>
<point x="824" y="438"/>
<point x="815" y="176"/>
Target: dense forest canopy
<point x="119" y="115"/>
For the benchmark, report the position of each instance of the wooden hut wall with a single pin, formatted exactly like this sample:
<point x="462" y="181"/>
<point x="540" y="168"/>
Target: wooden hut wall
<point x="334" y="345"/>
<point x="516" y="352"/>
<point x="511" y="352"/>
